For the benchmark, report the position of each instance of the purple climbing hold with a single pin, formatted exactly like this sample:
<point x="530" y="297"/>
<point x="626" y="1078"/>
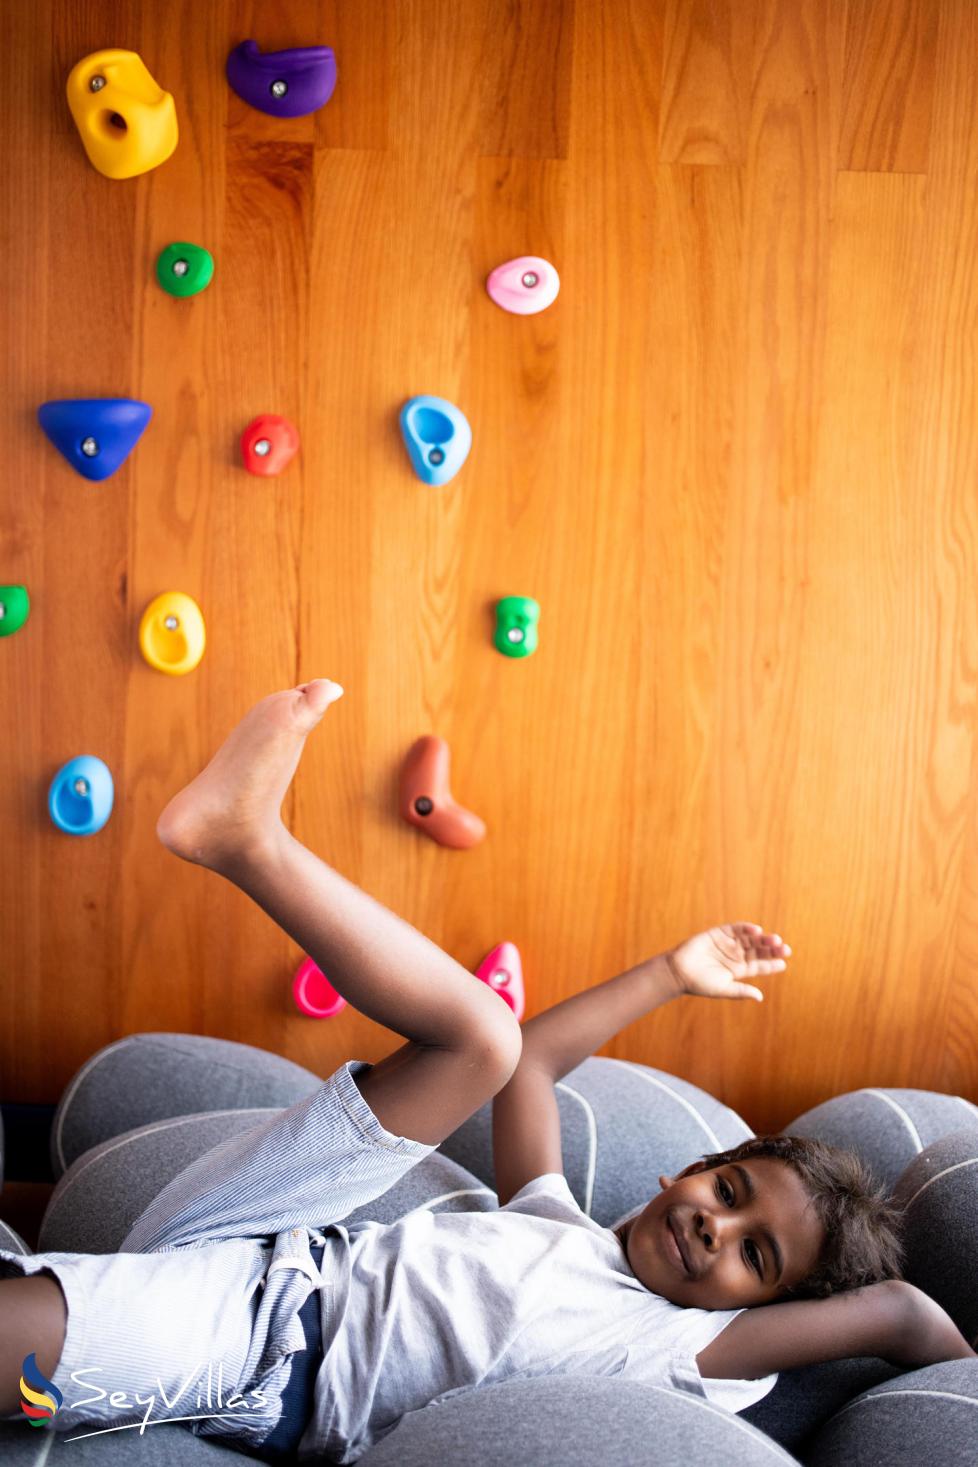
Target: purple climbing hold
<point x="283" y="83"/>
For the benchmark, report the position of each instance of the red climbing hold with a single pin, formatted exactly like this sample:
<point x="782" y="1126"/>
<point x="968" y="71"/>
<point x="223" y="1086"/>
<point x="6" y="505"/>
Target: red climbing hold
<point x="269" y="444"/>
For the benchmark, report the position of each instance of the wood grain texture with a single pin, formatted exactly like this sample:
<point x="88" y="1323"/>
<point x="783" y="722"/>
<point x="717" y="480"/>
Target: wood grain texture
<point x="735" y="463"/>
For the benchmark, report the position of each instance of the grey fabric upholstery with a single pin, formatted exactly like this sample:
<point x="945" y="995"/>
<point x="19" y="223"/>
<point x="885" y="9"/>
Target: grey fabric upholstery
<point x="167" y="1446"/>
<point x="886" y="1128"/>
<point x="12" y="1241"/>
<point x="926" y="1417"/>
<point x="622" y="1124"/>
<point x="100" y="1196"/>
<point x="148" y="1077"/>
<point x="560" y="1422"/>
<point x="802" y="1400"/>
<point x="939" y="1192"/>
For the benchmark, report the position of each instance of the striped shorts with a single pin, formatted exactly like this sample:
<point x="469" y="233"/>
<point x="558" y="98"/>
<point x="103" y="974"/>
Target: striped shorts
<point x="217" y="1269"/>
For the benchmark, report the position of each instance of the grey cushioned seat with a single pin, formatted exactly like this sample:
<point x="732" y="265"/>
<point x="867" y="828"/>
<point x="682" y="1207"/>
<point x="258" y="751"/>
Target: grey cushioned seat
<point x="561" y="1422"/>
<point x="148" y="1077"/>
<point x="12" y="1241"/>
<point x="802" y="1400"/>
<point x="927" y="1418"/>
<point x="939" y="1191"/>
<point x="887" y="1128"/>
<point x="622" y="1124"/>
<point x="170" y="1447"/>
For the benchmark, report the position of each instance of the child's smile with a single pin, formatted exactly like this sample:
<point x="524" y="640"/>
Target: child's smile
<point x="727" y="1238"/>
<point x="676" y="1246"/>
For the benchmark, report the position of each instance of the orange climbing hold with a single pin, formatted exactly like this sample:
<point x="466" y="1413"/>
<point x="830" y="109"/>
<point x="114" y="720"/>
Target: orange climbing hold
<point x="426" y="800"/>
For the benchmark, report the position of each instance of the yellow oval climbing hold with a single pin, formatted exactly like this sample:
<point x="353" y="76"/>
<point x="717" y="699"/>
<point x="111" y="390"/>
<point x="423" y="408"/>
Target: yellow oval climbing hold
<point x="126" y="121"/>
<point x="171" y="633"/>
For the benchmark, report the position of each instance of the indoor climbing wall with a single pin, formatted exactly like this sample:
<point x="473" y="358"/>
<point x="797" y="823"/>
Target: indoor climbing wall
<point x="585" y="388"/>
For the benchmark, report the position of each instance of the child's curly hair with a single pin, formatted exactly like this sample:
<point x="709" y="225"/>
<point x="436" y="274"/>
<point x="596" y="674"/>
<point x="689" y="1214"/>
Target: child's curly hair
<point x="863" y="1242"/>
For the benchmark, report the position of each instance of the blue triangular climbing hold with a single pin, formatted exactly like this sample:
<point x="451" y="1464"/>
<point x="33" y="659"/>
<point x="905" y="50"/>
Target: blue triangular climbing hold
<point x="95" y="434"/>
<point x="437" y="436"/>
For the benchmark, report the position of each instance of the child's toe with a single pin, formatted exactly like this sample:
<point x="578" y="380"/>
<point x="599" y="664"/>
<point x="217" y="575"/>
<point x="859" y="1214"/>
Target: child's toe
<point x="317" y="696"/>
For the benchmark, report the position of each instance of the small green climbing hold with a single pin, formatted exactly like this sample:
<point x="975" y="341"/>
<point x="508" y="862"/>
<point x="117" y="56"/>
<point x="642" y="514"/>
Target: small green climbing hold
<point x="516" y="626"/>
<point x="184" y="269"/>
<point x="15" y="608"/>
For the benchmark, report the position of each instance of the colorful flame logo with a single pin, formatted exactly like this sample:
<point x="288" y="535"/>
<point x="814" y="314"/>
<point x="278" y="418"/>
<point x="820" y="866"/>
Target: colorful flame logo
<point x="40" y="1396"/>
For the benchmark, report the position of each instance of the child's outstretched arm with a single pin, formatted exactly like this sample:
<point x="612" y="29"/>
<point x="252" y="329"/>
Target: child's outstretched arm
<point x="525" y="1119"/>
<point x="892" y="1321"/>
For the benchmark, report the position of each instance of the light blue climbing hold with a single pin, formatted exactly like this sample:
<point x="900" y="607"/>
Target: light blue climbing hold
<point x="81" y="795"/>
<point x="95" y="434"/>
<point x="437" y="436"/>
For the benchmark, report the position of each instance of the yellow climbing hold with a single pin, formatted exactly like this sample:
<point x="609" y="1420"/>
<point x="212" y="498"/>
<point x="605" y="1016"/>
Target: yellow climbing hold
<point x="126" y="121"/>
<point x="171" y="633"/>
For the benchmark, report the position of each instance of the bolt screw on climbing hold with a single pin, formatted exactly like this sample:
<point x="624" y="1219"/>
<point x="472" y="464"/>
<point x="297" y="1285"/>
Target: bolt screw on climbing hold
<point x="171" y="623"/>
<point x="96" y="84"/>
<point x="530" y="279"/>
<point x="89" y="447"/>
<point x="436" y="456"/>
<point x="180" y="267"/>
<point x="515" y="634"/>
<point x="423" y="805"/>
<point x="80" y="786"/>
<point x="278" y="88"/>
<point x="3" y="611"/>
<point x="263" y="447"/>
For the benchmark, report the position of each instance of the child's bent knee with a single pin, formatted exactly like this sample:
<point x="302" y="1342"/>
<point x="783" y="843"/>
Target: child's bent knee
<point x="506" y="1048"/>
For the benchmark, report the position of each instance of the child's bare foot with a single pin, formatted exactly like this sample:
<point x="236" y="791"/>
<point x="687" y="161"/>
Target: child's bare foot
<point x="234" y="802"/>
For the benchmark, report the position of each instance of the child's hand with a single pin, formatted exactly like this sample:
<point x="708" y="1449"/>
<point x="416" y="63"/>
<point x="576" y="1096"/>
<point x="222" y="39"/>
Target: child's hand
<point x="714" y="963"/>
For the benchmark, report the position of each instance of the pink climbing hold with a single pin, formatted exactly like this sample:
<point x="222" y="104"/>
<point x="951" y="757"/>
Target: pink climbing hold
<point x="524" y="286"/>
<point x="503" y="971"/>
<point x="314" y="994"/>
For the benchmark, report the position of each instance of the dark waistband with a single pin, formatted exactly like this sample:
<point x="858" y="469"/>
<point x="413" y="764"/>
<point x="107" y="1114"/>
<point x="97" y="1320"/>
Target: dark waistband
<point x="310" y="1310"/>
<point x="299" y="1392"/>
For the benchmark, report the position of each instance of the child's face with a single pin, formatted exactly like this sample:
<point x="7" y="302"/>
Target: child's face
<point x="731" y="1229"/>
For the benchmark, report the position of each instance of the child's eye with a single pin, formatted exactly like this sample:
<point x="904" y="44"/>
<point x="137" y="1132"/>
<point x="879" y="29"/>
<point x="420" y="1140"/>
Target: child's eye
<point x="753" y="1257"/>
<point x="722" y="1183"/>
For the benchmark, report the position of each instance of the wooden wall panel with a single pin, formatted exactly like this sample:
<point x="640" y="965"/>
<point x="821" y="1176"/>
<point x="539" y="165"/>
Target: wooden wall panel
<point x="734" y="462"/>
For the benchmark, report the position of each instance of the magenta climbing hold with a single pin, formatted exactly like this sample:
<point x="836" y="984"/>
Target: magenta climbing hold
<point x="503" y="971"/>
<point x="314" y="995"/>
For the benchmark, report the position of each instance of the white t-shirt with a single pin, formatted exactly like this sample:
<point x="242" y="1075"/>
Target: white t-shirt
<point x="439" y="1303"/>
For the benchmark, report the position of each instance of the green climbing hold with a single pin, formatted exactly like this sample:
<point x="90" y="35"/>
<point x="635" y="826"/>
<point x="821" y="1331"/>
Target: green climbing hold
<point x="516" y="626"/>
<point x="15" y="608"/>
<point x="184" y="269"/>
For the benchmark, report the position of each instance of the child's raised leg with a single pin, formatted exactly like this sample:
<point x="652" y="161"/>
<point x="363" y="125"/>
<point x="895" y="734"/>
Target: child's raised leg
<point x="464" y="1042"/>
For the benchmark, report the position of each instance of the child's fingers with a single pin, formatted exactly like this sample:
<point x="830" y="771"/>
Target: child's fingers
<point x="766" y="942"/>
<point x="752" y="935"/>
<point x="761" y="967"/>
